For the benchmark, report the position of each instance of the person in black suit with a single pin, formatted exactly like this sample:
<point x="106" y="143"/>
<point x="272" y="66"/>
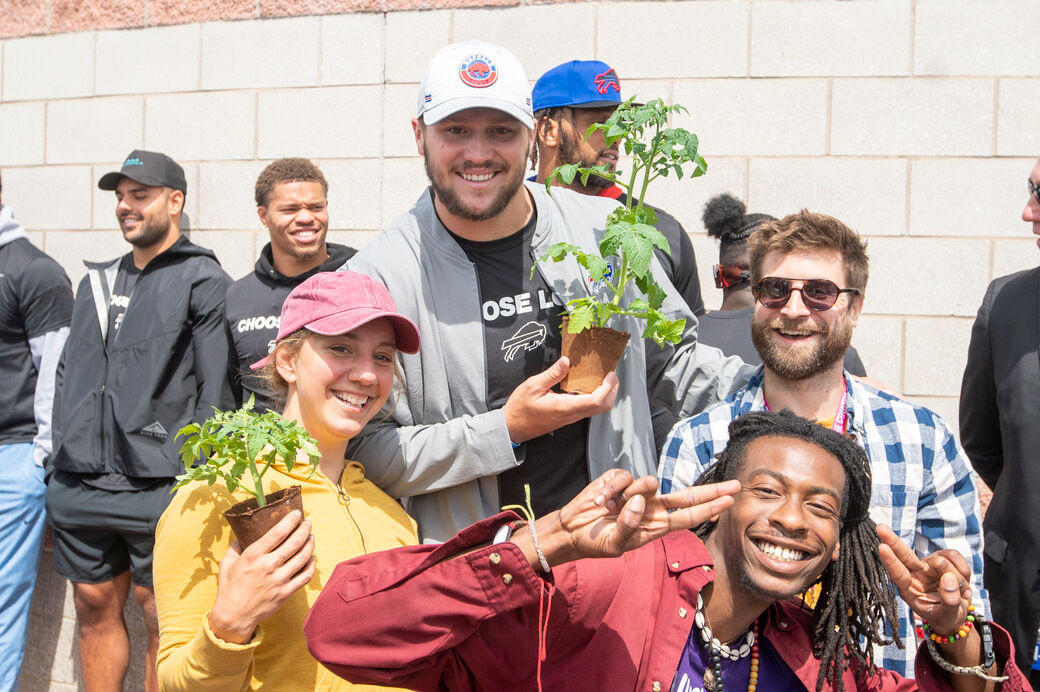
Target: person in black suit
<point x="1000" y="398"/>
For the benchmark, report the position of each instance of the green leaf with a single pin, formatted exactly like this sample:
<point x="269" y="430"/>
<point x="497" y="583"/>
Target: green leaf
<point x="566" y="172"/>
<point x="652" y="235"/>
<point x="596" y="266"/>
<point x="638" y="252"/>
<point x="582" y="314"/>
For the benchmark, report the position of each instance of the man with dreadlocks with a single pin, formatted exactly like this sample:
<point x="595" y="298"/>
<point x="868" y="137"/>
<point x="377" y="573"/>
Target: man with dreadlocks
<point x="516" y="605"/>
<point x="809" y="278"/>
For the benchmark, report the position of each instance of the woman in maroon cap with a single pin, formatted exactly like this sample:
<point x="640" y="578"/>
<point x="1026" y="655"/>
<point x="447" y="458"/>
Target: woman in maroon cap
<point x="232" y="619"/>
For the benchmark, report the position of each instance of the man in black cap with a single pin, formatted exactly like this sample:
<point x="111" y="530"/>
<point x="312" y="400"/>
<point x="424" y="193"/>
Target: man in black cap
<point x="567" y="100"/>
<point x="291" y="201"/>
<point x="147" y="354"/>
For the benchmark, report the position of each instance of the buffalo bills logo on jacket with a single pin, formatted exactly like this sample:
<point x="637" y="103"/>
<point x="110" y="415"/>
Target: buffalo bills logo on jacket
<point x="478" y="71"/>
<point x="606" y="81"/>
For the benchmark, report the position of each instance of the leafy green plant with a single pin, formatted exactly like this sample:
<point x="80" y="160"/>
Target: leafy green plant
<point x="229" y="443"/>
<point x="657" y="151"/>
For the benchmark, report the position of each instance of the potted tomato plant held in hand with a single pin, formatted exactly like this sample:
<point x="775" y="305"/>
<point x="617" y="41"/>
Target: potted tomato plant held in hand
<point x="631" y="235"/>
<point x="228" y="444"/>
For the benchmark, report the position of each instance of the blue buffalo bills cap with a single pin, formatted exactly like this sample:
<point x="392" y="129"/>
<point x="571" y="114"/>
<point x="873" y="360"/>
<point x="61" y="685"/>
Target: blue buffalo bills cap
<point x="474" y="74"/>
<point x="147" y="168"/>
<point x="578" y="84"/>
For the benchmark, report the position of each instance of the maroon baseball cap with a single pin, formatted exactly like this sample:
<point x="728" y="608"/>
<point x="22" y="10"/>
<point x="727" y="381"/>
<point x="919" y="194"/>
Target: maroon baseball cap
<point x="331" y="303"/>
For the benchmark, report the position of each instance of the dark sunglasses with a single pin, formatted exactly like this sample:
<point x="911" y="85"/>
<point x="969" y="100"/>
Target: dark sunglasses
<point x="1034" y="189"/>
<point x="818" y="294"/>
<point x="727" y="275"/>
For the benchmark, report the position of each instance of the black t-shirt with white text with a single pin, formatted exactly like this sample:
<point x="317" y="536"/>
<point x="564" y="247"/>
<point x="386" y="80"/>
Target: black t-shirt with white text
<point x="521" y="318"/>
<point x="126" y="279"/>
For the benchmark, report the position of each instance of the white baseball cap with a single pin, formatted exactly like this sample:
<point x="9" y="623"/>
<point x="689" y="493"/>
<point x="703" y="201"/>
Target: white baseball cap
<point x="474" y="74"/>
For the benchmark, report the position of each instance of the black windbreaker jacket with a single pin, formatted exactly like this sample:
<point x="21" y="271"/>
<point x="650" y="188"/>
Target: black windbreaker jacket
<point x="118" y="409"/>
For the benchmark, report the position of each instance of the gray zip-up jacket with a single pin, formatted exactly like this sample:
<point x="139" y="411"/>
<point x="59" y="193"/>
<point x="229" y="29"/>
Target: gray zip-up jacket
<point x="439" y="444"/>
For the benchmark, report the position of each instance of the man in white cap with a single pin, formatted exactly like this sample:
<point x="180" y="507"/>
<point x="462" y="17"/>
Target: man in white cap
<point x="478" y="418"/>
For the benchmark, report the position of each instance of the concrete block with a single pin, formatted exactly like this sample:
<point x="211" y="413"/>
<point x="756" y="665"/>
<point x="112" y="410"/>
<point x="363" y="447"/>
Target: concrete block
<point x="76" y="15"/>
<point x="936" y="351"/>
<point x="646" y="89"/>
<point x="234" y="249"/>
<point x="923" y="117"/>
<point x="402" y="183"/>
<point x="1017" y="134"/>
<point x="71" y="248"/>
<point x="756" y="117"/>
<point x="354" y="193"/>
<point x="24" y="18"/>
<point x="966" y="37"/>
<point x="879" y="342"/>
<point x="946" y="407"/>
<point x="180" y="12"/>
<point x="827" y="38"/>
<point x="172" y="124"/>
<point x="867" y="194"/>
<point x="352" y="48"/>
<point x="49" y="67"/>
<point x="411" y="40"/>
<point x="685" y="199"/>
<point x="968" y="197"/>
<point x="292" y="8"/>
<point x="21" y="133"/>
<point x="354" y="239"/>
<point x="261" y="54"/>
<point x="1010" y="256"/>
<point x="400" y="105"/>
<point x="943" y="274"/>
<point x="714" y="36"/>
<point x="226" y="195"/>
<point x="707" y="252"/>
<point x="90" y="130"/>
<point x="148" y="60"/>
<point x="333" y="122"/>
<point x="49" y="197"/>
<point x="535" y="34"/>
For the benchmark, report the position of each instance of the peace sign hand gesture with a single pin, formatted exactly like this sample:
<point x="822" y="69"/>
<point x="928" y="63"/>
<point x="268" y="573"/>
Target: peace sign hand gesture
<point x="935" y="587"/>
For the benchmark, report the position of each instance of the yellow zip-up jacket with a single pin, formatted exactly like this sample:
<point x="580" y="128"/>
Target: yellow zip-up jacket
<point x="349" y="520"/>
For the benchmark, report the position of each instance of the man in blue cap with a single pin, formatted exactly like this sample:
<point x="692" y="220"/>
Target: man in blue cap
<point x="567" y="100"/>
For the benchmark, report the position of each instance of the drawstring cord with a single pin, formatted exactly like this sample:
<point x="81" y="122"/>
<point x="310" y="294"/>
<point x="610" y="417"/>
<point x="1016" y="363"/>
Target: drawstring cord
<point x="544" y="605"/>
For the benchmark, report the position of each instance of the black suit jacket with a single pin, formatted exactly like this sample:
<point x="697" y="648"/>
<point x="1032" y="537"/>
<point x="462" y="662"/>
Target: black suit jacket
<point x="1000" y="431"/>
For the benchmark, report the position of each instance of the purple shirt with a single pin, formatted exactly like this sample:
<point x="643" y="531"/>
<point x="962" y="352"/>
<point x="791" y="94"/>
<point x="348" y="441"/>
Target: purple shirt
<point x="773" y="674"/>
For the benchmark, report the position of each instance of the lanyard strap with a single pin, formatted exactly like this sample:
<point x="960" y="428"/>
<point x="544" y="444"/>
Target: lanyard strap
<point x="840" y="416"/>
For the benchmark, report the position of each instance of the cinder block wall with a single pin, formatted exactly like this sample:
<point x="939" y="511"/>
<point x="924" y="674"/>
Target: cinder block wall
<point x="915" y="121"/>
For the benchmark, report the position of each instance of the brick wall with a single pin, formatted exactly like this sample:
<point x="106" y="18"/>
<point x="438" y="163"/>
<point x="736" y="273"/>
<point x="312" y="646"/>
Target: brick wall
<point x="913" y="121"/>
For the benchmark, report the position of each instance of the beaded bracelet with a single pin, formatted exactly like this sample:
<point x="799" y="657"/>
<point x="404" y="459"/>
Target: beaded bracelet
<point x="979" y="671"/>
<point x="961" y="632"/>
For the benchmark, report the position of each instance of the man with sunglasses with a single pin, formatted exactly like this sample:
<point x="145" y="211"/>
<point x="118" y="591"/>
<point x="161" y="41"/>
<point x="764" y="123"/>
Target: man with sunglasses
<point x="729" y="328"/>
<point x="809" y="277"/>
<point x="1000" y="395"/>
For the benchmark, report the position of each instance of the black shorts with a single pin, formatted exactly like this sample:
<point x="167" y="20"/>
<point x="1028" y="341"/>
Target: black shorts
<point x="99" y="534"/>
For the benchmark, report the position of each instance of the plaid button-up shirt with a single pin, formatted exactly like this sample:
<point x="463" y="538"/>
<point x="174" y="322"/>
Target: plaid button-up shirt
<point x="923" y="486"/>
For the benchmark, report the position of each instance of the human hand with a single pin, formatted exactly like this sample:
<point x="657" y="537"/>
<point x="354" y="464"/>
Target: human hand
<point x="937" y="587"/>
<point x="253" y="583"/>
<point x="533" y="409"/>
<point x="616" y="513"/>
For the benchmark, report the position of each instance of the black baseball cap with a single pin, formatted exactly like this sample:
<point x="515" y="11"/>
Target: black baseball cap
<point x="148" y="168"/>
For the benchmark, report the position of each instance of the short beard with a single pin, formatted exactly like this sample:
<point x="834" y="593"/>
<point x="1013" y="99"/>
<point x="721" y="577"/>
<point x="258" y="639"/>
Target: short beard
<point x="748" y="586"/>
<point x="148" y="234"/>
<point x="794" y="366"/>
<point x="456" y="207"/>
<point x="569" y="151"/>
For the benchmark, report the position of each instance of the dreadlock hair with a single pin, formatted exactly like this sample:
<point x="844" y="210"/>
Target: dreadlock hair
<point x="554" y="113"/>
<point x="856" y="596"/>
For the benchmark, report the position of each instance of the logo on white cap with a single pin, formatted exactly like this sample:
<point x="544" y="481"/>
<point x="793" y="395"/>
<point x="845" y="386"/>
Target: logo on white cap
<point x="478" y="71"/>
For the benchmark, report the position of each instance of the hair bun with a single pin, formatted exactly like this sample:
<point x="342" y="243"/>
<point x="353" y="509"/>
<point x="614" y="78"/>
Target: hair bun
<point x="723" y="215"/>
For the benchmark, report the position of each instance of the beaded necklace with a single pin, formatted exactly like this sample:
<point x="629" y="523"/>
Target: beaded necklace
<point x="718" y="651"/>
